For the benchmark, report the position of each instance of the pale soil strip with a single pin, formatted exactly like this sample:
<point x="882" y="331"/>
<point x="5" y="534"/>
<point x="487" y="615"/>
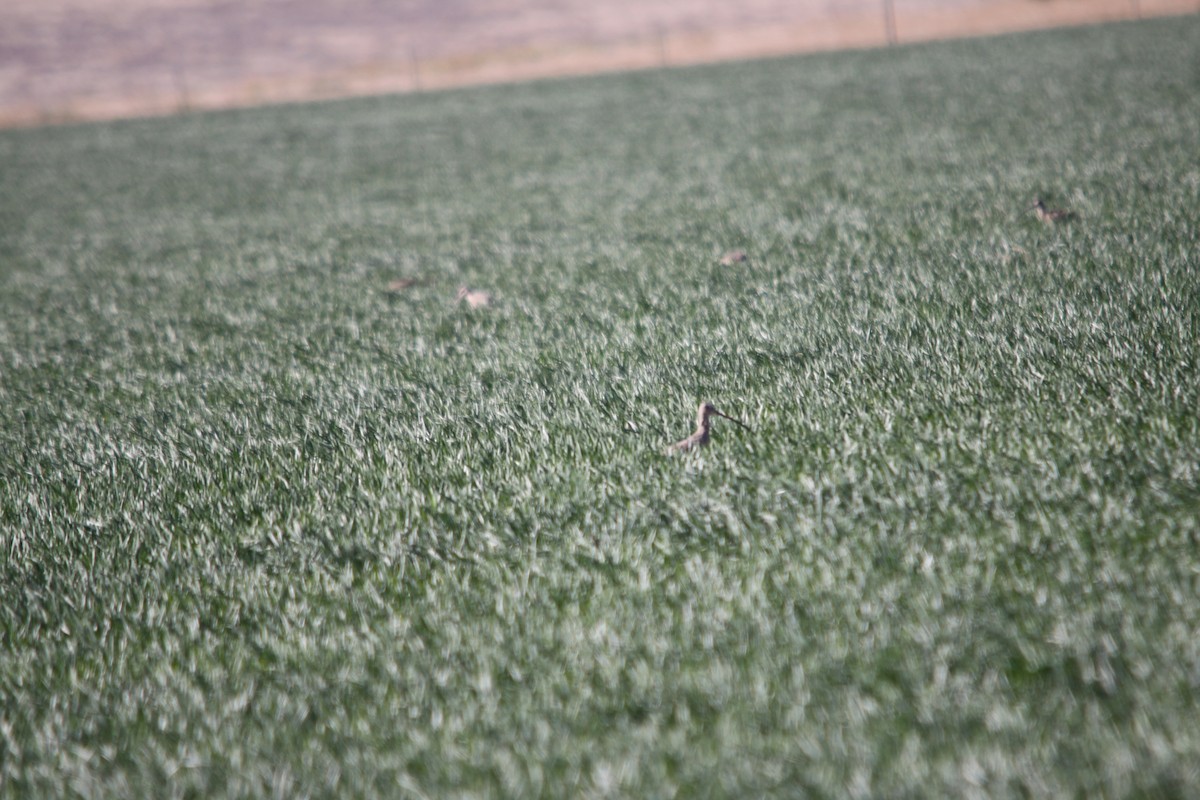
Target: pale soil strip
<point x="383" y="75"/>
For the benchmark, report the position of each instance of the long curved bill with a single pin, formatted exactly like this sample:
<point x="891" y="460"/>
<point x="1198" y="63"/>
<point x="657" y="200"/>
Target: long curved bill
<point x="731" y="419"/>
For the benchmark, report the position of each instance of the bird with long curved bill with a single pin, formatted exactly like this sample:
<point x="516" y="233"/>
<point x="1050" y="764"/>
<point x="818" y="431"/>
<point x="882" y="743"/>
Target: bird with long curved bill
<point x="700" y="437"/>
<point x="1051" y="215"/>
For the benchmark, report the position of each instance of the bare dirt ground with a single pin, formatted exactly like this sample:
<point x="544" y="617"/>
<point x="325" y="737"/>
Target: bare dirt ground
<point x="66" y="60"/>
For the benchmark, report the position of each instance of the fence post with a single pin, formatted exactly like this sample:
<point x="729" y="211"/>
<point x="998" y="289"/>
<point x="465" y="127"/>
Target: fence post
<point x="889" y="20"/>
<point x="182" y="88"/>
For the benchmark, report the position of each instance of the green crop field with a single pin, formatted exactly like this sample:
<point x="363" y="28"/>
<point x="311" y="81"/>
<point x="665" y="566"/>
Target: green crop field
<point x="270" y="529"/>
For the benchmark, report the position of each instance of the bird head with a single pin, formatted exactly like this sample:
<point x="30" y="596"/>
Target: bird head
<point x="707" y="410"/>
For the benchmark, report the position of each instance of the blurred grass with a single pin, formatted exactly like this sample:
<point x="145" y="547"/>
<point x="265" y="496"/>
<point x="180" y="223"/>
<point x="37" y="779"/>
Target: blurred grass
<point x="266" y="528"/>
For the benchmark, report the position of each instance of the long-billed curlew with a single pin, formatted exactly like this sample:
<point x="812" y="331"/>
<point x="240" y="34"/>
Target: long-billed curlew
<point x="733" y="257"/>
<point x="1051" y="215"/>
<point x="703" y="425"/>
<point x="476" y="298"/>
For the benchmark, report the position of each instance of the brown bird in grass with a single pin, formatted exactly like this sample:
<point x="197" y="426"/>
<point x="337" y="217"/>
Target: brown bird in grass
<point x="733" y="257"/>
<point x="1051" y="215"/>
<point x="476" y="298"/>
<point x="401" y="284"/>
<point x="703" y="425"/>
